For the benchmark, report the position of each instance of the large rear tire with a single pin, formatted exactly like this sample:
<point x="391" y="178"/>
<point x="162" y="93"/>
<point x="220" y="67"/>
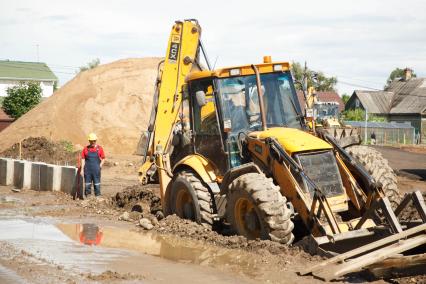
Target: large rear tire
<point x="255" y="209"/>
<point x="379" y="169"/>
<point x="190" y="199"/>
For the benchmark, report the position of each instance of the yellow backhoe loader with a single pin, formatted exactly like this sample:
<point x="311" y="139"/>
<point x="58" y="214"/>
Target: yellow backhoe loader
<point x="231" y="146"/>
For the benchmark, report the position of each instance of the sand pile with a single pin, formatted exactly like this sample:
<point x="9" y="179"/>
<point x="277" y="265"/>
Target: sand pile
<point x="113" y="100"/>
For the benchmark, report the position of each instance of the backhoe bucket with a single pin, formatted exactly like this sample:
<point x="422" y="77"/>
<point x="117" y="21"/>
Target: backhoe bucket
<point x="395" y="243"/>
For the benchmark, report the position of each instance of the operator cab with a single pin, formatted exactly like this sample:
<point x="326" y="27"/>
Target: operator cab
<point x="225" y="104"/>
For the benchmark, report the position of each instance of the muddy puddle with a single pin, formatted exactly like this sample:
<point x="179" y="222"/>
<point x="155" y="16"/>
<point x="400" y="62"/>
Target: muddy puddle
<point x="9" y="276"/>
<point x="93" y="248"/>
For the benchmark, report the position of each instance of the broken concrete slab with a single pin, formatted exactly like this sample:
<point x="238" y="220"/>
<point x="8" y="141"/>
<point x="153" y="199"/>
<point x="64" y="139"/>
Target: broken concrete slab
<point x="50" y="177"/>
<point x="22" y="174"/>
<point x="69" y="182"/>
<point x="18" y="174"/>
<point x="35" y="175"/>
<point x="6" y="171"/>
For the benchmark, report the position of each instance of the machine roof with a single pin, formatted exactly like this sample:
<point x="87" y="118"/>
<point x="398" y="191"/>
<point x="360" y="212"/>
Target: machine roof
<point x="244" y="70"/>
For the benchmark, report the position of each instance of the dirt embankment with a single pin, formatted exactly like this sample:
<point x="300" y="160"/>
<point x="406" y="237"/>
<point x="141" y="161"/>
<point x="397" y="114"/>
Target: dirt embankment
<point x="42" y="150"/>
<point x="113" y="100"/>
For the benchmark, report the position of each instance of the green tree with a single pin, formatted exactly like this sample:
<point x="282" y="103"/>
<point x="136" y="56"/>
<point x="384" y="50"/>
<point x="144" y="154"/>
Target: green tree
<point x="358" y="114"/>
<point x="316" y="79"/>
<point x="92" y="64"/>
<point x="21" y="98"/>
<point x="397" y="73"/>
<point x="345" y="98"/>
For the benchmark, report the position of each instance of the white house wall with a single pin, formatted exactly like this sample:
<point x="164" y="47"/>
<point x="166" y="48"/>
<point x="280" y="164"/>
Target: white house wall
<point x="46" y="87"/>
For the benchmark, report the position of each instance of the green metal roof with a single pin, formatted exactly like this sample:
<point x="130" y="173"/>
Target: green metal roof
<point x="26" y="70"/>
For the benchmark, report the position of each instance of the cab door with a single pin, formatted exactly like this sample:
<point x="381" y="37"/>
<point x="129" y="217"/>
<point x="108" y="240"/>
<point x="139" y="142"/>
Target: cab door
<point x="205" y="125"/>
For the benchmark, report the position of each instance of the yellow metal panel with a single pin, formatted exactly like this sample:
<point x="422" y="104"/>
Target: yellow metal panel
<point x="143" y="170"/>
<point x="181" y="52"/>
<point x="244" y="70"/>
<point x="195" y="75"/>
<point x="293" y="140"/>
<point x="203" y="167"/>
<point x="248" y="70"/>
<point x="338" y="203"/>
<point x="183" y="43"/>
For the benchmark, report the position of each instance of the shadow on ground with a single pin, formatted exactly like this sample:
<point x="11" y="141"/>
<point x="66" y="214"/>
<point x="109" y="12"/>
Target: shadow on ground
<point x="417" y="174"/>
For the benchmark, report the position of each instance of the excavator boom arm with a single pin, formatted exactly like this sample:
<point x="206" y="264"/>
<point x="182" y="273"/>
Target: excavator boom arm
<point x="182" y="53"/>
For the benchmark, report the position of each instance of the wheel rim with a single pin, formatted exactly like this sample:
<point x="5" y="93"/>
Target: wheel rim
<point x="184" y="204"/>
<point x="246" y="219"/>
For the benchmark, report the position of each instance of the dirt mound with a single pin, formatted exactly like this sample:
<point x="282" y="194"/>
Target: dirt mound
<point x="138" y="196"/>
<point x="113" y="276"/>
<point x="42" y="150"/>
<point x="112" y="100"/>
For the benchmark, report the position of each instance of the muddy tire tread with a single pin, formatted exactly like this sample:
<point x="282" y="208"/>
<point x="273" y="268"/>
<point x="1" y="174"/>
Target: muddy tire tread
<point x="204" y="197"/>
<point x="379" y="169"/>
<point x="274" y="214"/>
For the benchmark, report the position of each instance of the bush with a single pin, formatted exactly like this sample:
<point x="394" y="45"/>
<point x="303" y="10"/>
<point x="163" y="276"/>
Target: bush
<point x="68" y="146"/>
<point x="358" y="114"/>
<point x="92" y="64"/>
<point x="20" y="99"/>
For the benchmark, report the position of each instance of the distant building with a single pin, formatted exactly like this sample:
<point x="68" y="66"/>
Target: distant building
<point x="5" y="120"/>
<point x="375" y="102"/>
<point x="404" y="100"/>
<point x="14" y="72"/>
<point x="324" y="97"/>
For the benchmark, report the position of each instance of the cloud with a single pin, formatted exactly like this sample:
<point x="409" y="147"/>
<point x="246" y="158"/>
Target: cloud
<point x="360" y="41"/>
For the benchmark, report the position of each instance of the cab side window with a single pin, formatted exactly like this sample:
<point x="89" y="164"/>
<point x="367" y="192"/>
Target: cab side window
<point x="205" y="122"/>
<point x="207" y="138"/>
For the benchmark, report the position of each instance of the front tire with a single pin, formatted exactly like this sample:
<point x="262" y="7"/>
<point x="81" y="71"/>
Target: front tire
<point x="190" y="199"/>
<point x="255" y="208"/>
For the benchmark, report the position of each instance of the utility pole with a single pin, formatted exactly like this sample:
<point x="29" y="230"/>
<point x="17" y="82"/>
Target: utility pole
<point x="365" y="126"/>
<point x="305" y="77"/>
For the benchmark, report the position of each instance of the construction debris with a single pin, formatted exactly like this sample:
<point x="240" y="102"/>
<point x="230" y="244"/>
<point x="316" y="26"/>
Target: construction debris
<point x="146" y="224"/>
<point x="43" y="150"/>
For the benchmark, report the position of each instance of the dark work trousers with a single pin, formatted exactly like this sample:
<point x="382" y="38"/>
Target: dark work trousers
<point x="92" y="173"/>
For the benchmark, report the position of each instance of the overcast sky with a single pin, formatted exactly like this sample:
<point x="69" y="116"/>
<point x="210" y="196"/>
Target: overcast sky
<point x="360" y="42"/>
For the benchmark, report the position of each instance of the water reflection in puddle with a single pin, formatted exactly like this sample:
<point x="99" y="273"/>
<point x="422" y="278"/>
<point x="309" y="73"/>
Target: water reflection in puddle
<point x="47" y="242"/>
<point x="93" y="248"/>
<point x="170" y="248"/>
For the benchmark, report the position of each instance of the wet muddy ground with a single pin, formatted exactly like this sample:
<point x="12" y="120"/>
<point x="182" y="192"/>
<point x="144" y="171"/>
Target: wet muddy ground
<point x="48" y="237"/>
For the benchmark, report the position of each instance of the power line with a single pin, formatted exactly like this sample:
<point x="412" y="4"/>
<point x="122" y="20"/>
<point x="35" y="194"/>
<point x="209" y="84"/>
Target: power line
<point x="361" y="80"/>
<point x="357" y="85"/>
<point x="353" y="84"/>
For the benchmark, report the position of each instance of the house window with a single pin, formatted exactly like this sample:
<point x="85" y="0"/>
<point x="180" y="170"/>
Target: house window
<point x="357" y="103"/>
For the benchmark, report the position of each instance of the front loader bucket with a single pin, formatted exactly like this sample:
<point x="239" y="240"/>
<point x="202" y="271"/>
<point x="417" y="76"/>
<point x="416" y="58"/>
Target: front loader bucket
<point x="378" y="249"/>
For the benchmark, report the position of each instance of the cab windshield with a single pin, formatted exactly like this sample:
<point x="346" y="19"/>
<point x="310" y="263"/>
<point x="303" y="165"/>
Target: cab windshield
<point x="240" y="102"/>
